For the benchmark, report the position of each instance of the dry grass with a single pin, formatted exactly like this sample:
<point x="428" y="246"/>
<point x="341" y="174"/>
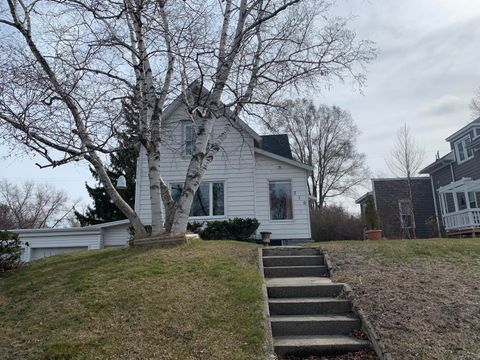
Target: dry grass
<point x="199" y="301"/>
<point x="423" y="296"/>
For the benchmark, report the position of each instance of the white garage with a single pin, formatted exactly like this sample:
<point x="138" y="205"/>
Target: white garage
<point x="40" y="243"/>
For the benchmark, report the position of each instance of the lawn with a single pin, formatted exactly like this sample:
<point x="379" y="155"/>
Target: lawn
<point x="199" y="301"/>
<point x="422" y="296"/>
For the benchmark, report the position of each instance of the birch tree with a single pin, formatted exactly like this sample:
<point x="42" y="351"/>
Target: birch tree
<point x="324" y="137"/>
<point x="406" y="160"/>
<point x="71" y="68"/>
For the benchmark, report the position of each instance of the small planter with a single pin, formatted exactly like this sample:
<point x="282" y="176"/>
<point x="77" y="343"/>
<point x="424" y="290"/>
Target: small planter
<point x="265" y="237"/>
<point x="374" y="234"/>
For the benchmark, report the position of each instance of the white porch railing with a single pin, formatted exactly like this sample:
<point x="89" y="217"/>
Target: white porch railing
<point x="463" y="219"/>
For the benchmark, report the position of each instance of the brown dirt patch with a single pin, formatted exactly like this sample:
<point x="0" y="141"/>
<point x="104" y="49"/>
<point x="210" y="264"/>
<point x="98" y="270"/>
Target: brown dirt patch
<point x="422" y="297"/>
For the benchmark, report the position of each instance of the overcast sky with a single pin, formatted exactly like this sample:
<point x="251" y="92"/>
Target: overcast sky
<point x="427" y="70"/>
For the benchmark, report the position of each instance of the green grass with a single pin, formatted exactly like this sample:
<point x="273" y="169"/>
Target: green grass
<point x="199" y="301"/>
<point x="409" y="250"/>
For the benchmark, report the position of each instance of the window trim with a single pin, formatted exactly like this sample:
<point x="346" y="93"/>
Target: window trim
<point x="210" y="199"/>
<point x="465" y="152"/>
<point x="290" y="181"/>
<point x="476" y="132"/>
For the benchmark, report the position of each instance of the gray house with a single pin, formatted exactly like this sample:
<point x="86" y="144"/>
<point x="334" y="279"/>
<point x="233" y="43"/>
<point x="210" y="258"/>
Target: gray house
<point x="455" y="178"/>
<point x="398" y="219"/>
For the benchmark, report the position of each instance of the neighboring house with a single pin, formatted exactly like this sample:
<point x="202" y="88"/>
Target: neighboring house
<point x="397" y="220"/>
<point x="456" y="181"/>
<point x="252" y="176"/>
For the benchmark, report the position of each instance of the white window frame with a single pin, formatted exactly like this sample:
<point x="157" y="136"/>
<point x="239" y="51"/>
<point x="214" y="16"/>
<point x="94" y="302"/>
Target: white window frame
<point x="465" y="151"/>
<point x="269" y="203"/>
<point x="400" y="202"/>
<point x="210" y="199"/>
<point x="476" y="133"/>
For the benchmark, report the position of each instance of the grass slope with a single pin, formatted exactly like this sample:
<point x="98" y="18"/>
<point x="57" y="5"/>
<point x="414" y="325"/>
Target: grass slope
<point x="199" y="301"/>
<point x="422" y="296"/>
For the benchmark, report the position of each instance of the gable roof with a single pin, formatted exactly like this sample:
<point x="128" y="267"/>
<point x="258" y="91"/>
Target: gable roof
<point x="463" y="130"/>
<point x="239" y="124"/>
<point x="438" y="164"/>
<point x="277" y="144"/>
<point x="274" y="146"/>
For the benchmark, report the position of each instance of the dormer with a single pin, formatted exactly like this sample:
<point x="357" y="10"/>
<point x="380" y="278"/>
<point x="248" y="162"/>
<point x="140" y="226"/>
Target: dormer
<point x="462" y="142"/>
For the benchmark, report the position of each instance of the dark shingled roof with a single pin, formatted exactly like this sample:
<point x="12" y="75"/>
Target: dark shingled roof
<point x="277" y="144"/>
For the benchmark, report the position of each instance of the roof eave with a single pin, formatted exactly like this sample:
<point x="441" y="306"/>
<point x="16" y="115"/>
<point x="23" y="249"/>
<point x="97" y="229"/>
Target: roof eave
<point x="284" y="159"/>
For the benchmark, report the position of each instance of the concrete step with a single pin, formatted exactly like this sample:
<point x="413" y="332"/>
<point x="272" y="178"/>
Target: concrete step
<point x="309" y="306"/>
<point x="290" y="251"/>
<point x="296" y="325"/>
<point x="317" y="345"/>
<point x="295" y="271"/>
<point x="297" y="260"/>
<point x="290" y="291"/>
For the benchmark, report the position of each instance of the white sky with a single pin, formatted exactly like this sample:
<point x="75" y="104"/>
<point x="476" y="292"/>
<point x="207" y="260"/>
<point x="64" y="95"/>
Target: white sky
<point x="425" y="75"/>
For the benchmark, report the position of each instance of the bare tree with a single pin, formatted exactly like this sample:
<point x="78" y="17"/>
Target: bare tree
<point x="6" y="218"/>
<point x="406" y="159"/>
<point x="475" y="104"/>
<point x="31" y="206"/>
<point x="70" y="68"/>
<point x="326" y="138"/>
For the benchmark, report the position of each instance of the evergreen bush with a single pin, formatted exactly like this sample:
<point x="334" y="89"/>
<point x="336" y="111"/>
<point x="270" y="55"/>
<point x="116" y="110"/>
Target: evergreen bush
<point x="10" y="251"/>
<point x="236" y="229"/>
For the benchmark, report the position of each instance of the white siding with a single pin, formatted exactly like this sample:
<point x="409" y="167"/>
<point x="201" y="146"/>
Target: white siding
<point x="234" y="165"/>
<point x="268" y="169"/>
<point x="116" y="236"/>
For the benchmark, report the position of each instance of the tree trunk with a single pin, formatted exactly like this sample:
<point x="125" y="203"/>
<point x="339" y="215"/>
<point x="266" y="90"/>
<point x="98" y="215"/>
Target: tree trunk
<point x="115" y="196"/>
<point x="155" y="198"/>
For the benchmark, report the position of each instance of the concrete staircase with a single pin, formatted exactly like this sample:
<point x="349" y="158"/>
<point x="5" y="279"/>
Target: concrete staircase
<point x="307" y="313"/>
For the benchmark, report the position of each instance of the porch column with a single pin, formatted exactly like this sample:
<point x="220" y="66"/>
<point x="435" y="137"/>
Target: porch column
<point x="440" y="200"/>
<point x="471" y="220"/>
<point x="455" y="201"/>
<point x="467" y="199"/>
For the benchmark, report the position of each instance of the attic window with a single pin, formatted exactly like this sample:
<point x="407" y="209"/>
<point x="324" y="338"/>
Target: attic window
<point x="190" y="139"/>
<point x="463" y="150"/>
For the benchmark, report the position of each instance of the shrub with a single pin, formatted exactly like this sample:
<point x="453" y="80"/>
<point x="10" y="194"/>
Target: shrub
<point x="195" y="227"/>
<point x="236" y="229"/>
<point x="335" y="223"/>
<point x="10" y="251"/>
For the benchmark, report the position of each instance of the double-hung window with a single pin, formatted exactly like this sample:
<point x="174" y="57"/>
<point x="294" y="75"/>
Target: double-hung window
<point x="190" y="139"/>
<point x="406" y="214"/>
<point x="209" y="200"/>
<point x="463" y="149"/>
<point x="281" y="207"/>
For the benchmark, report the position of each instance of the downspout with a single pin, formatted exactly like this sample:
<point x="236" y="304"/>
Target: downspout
<point x="453" y="174"/>
<point x="435" y="204"/>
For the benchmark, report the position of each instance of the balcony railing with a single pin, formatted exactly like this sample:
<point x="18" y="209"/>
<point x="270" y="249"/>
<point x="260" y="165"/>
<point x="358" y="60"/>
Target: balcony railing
<point x="463" y="219"/>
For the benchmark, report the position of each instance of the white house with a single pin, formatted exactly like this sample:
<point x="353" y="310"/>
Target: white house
<point x="252" y="176"/>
